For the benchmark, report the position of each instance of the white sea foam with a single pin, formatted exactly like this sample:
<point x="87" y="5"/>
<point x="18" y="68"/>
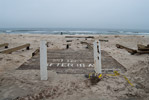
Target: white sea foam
<point x="74" y="31"/>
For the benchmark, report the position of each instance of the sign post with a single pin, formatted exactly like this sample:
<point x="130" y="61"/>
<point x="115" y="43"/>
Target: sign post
<point x="97" y="57"/>
<point x="43" y="61"/>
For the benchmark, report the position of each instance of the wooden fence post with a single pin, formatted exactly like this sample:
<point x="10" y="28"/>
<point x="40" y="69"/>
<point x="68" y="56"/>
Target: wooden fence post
<point x="43" y="60"/>
<point x="97" y="57"/>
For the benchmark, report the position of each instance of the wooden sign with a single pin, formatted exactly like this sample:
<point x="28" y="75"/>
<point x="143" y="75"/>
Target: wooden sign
<point x="68" y="61"/>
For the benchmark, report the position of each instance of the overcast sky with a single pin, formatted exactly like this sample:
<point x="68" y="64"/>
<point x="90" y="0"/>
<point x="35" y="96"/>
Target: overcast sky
<point x="117" y="14"/>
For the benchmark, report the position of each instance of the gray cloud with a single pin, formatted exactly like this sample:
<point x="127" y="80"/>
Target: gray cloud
<point x="131" y="14"/>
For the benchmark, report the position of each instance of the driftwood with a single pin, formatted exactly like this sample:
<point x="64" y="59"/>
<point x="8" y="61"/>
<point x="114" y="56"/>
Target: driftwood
<point x="35" y="52"/>
<point x="88" y="45"/>
<point x="79" y="36"/>
<point x="142" y="52"/>
<point x="103" y="40"/>
<point x="143" y="47"/>
<point x="67" y="45"/>
<point x="9" y="51"/>
<point x="4" y="45"/>
<point x="131" y="51"/>
<point x="68" y="40"/>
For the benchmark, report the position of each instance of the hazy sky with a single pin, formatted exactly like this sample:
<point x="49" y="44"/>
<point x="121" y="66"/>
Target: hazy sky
<point x="126" y="14"/>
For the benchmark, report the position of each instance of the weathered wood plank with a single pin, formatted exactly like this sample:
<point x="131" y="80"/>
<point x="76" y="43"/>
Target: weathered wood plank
<point x="89" y="45"/>
<point x="143" y="52"/>
<point x="72" y="61"/>
<point x="9" y="51"/>
<point x="35" y="52"/>
<point x="79" y="36"/>
<point x="4" y="45"/>
<point x="102" y="40"/>
<point x="131" y="51"/>
<point x="68" y="40"/>
<point x="104" y="71"/>
<point x="143" y="47"/>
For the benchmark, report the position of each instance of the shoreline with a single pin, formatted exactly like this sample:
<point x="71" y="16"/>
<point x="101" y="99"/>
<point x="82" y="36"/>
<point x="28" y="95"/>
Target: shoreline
<point x="75" y="34"/>
<point x="139" y="34"/>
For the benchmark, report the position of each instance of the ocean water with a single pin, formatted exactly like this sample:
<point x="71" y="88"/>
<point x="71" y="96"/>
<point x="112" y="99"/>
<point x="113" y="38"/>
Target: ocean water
<point x="73" y="31"/>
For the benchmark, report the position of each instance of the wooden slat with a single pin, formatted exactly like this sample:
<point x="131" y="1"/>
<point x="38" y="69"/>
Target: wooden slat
<point x="65" y="59"/>
<point x="143" y="52"/>
<point x="68" y="40"/>
<point x="143" y="47"/>
<point x="88" y="45"/>
<point x="132" y="51"/>
<point x="8" y="51"/>
<point x="35" y="52"/>
<point x="4" y="45"/>
<point x="79" y="36"/>
<point x="103" y="40"/>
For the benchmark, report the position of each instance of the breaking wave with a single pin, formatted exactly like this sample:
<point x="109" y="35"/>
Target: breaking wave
<point x="70" y="31"/>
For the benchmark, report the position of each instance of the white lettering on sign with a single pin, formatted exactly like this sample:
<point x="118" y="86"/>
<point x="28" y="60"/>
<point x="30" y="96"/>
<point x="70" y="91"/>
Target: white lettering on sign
<point x="83" y="65"/>
<point x="62" y="65"/>
<point x="80" y="65"/>
<point x="58" y="64"/>
<point x="90" y="65"/>
<point x="69" y="65"/>
<point x="61" y="60"/>
<point x="73" y="61"/>
<point x="67" y="60"/>
<point x="50" y="64"/>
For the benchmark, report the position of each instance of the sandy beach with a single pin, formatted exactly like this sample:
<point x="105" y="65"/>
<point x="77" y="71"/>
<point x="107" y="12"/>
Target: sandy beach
<point x="16" y="84"/>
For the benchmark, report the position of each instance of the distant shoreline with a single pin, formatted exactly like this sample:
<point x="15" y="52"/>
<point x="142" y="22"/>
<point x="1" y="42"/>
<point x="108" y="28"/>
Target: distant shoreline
<point x="77" y="34"/>
<point x="73" y="31"/>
